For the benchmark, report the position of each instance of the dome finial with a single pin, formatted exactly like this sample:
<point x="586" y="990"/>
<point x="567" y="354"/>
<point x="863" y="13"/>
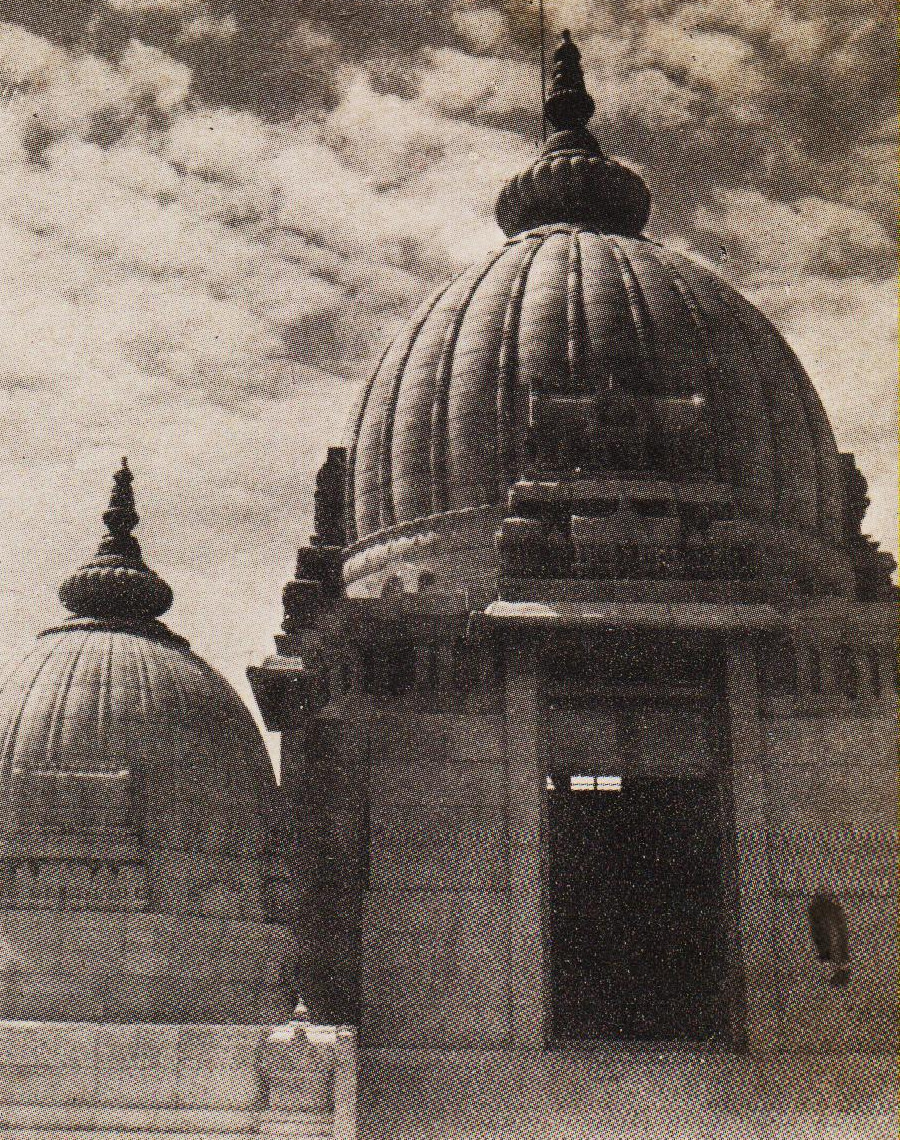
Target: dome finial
<point x="117" y="585"/>
<point x="121" y="515"/>
<point x="569" y="106"/>
<point x="573" y="182"/>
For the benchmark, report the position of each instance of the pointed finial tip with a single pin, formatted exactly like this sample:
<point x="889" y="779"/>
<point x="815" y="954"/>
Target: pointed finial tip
<point x="569" y="106"/>
<point x="573" y="182"/>
<point x="121" y="516"/>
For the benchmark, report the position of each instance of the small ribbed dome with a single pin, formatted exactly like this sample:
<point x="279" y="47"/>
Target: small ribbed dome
<point x="108" y="731"/>
<point x="683" y="378"/>
<point x="138" y="805"/>
<point x="111" y="726"/>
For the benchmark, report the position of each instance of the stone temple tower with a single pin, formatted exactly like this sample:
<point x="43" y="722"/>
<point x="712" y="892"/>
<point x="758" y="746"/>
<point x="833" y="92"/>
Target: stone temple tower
<point x="142" y="833"/>
<point x="147" y="900"/>
<point x="587" y="687"/>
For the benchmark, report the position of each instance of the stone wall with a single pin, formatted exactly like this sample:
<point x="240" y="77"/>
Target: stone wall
<point x="436" y="917"/>
<point x="832" y="794"/>
<point x="148" y="1081"/>
<point x="813" y="742"/>
<point x="419" y="776"/>
<point x="122" y="967"/>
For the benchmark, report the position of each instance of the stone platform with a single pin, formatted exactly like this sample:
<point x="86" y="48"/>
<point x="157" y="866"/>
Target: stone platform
<point x="90" y="1081"/>
<point x="614" y="1094"/>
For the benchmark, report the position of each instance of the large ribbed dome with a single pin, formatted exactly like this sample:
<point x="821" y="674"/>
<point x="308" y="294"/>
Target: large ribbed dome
<point x="443" y="422"/>
<point x="578" y="305"/>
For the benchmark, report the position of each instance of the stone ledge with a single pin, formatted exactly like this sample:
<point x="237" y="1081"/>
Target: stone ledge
<point x="700" y="617"/>
<point x="146" y="1080"/>
<point x="300" y="1129"/>
<point x="100" y="1133"/>
<point x="87" y="1117"/>
<point x="607" y="1080"/>
<point x="44" y="1122"/>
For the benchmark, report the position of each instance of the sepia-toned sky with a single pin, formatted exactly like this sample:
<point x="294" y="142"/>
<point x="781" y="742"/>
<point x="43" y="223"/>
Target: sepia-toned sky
<point x="213" y="213"/>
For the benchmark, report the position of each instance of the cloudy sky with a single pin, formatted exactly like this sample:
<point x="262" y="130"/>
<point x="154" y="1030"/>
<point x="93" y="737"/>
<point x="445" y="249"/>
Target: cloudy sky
<point x="213" y="213"/>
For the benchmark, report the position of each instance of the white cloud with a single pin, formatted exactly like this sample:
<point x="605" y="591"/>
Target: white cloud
<point x="792" y="240"/>
<point x="707" y="58"/>
<point x="845" y="333"/>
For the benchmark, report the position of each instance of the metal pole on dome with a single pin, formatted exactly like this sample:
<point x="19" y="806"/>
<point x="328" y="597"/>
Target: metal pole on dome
<point x="543" y="34"/>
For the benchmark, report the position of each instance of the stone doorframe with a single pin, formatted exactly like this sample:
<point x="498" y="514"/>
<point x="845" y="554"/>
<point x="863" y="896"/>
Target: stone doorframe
<point x="736" y="752"/>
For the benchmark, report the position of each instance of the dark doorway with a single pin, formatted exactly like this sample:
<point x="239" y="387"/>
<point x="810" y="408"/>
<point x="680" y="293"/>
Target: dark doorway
<point x="636" y="919"/>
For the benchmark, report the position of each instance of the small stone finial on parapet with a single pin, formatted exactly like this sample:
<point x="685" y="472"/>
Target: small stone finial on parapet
<point x="311" y="1070"/>
<point x="873" y="568"/>
<point x="117" y="585"/>
<point x="284" y="1034"/>
<point x="856" y="497"/>
<point x="329" y="500"/>
<point x="318" y="581"/>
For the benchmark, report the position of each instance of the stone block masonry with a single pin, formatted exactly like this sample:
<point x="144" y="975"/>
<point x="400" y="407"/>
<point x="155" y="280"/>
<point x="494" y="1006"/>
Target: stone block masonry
<point x="93" y="1081"/>
<point x="141" y="967"/>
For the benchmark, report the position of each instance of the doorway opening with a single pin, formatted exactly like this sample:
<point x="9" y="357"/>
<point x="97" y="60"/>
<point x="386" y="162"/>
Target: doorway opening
<point x="636" y="909"/>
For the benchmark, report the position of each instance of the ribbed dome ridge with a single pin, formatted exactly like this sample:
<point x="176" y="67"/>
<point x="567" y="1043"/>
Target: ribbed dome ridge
<point x="509" y="453"/>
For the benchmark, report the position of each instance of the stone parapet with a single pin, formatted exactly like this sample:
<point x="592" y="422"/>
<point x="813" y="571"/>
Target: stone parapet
<point x="31" y="883"/>
<point x="171" y="881"/>
<point x="147" y="1081"/>
<point x="452" y="550"/>
<point x="612" y="531"/>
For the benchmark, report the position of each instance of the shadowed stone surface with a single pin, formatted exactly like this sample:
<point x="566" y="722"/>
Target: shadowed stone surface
<point x="624" y="1095"/>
